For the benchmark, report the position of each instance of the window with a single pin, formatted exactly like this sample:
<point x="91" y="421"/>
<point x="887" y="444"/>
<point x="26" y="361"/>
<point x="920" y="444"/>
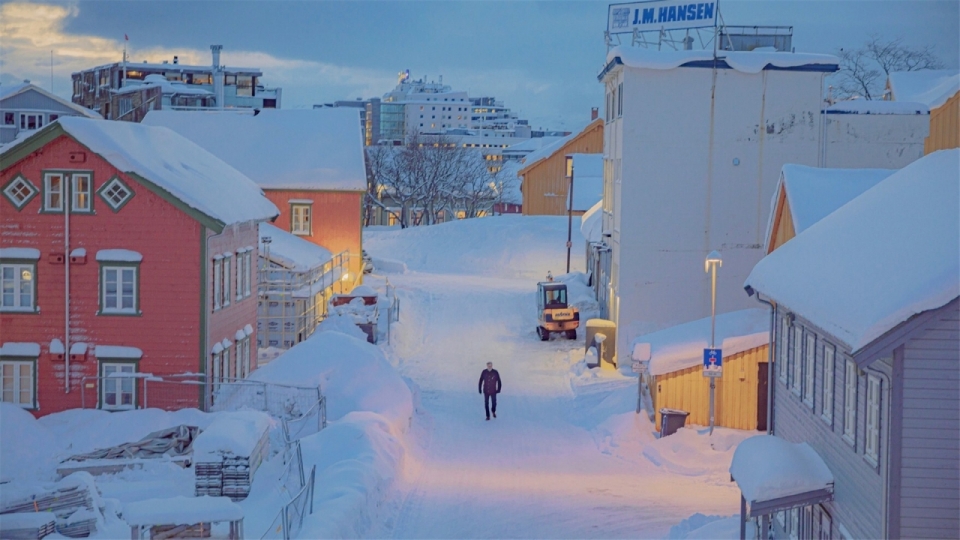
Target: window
<point x="119" y="391"/>
<point x="18" y="287"/>
<point x="248" y="271"/>
<point x="809" y="360"/>
<point x="124" y="106"/>
<point x="826" y="408"/>
<point x="19" y="192"/>
<point x="80" y="193"/>
<point x="826" y="526"/>
<point x="8" y="119"/>
<point x="620" y="100"/>
<point x="245" y="85"/>
<point x="119" y="288"/>
<point x="783" y="349"/>
<point x="300" y="219"/>
<point x="795" y="520"/>
<point x="115" y="193"/>
<point x="31" y="121"/>
<point x="797" y="359"/>
<point x="850" y="403"/>
<point x="17" y="382"/>
<point x="53" y="192"/>
<point x="871" y="449"/>
<point x="217" y="275"/>
<point x="241" y="267"/>
<point x="225" y="283"/>
<point x="225" y="364"/>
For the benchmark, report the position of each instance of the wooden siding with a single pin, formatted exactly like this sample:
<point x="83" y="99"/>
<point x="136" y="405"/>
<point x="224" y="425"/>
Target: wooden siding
<point x="858" y="488"/>
<point x="545" y="184"/>
<point x="31" y="100"/>
<point x="736" y="392"/>
<point x="782" y="229"/>
<point x="944" y="126"/>
<point x="930" y="444"/>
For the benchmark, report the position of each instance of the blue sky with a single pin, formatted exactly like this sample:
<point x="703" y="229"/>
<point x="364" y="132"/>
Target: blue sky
<point x="541" y="58"/>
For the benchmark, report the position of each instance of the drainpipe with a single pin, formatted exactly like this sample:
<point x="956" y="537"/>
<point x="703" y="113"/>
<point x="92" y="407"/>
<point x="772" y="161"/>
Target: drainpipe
<point x="770" y="381"/>
<point x="66" y="286"/>
<point x="884" y="492"/>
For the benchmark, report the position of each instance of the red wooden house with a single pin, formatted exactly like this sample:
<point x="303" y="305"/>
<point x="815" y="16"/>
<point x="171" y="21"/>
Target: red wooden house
<point x="124" y="249"/>
<point x="310" y="163"/>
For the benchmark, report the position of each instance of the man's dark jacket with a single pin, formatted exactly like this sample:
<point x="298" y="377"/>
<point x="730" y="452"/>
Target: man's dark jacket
<point x="489" y="382"/>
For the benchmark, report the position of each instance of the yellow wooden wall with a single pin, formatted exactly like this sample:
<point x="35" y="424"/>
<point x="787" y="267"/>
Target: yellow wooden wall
<point x="944" y="126"/>
<point x="782" y="224"/>
<point x="736" y="400"/>
<point x="549" y="175"/>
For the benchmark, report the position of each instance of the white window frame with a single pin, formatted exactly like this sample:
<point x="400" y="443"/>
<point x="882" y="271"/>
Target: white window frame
<point x="115" y="385"/>
<point x="119" y="309"/>
<point x="302" y="225"/>
<point x="217" y="278"/>
<point x="248" y="272"/>
<point x="225" y="358"/>
<point x="25" y="120"/>
<point x="783" y="348"/>
<point x="16" y="281"/>
<point x="871" y="447"/>
<point x="16" y="389"/>
<point x="797" y="358"/>
<point x="795" y="523"/>
<point x="241" y="266"/>
<point x="225" y="281"/>
<point x="75" y="192"/>
<point x="850" y="383"/>
<point x="809" y="362"/>
<point x="239" y="358"/>
<point x="48" y="191"/>
<point x="827" y="390"/>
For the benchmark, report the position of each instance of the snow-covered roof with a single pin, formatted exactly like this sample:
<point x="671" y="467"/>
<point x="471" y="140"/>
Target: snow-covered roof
<point x="166" y="87"/>
<point x="889" y="254"/>
<point x="874" y="106"/>
<point x="12" y="90"/>
<point x="181" y="511"/>
<point x="291" y="251"/>
<point x="591" y="224"/>
<point x="932" y="87"/>
<point x="743" y="61"/>
<point x="318" y="149"/>
<point x="681" y="347"/>
<point x="186" y="171"/>
<point x="546" y="150"/>
<point x="814" y="193"/>
<point x="767" y="468"/>
<point x="587" y="181"/>
<point x="530" y="145"/>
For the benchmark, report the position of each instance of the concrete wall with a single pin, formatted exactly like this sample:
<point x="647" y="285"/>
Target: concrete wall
<point x="877" y="141"/>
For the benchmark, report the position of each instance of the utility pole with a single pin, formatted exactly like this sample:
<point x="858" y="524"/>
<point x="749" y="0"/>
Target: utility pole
<point x="710" y="265"/>
<point x="569" y="211"/>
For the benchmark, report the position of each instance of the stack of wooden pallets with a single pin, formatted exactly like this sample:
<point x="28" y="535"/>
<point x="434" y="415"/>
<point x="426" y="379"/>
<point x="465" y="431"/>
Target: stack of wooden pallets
<point x="55" y="506"/>
<point x="22" y="526"/>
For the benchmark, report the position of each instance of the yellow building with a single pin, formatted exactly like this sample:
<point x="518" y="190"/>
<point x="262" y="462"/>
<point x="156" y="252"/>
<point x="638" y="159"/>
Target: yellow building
<point x="543" y="176"/>
<point x="675" y="380"/>
<point x="939" y="89"/>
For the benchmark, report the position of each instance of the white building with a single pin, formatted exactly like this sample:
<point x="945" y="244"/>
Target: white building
<point x="693" y="150"/>
<point x="874" y="134"/>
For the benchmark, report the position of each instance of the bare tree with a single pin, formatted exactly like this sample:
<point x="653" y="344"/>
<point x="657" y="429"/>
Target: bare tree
<point x="864" y="71"/>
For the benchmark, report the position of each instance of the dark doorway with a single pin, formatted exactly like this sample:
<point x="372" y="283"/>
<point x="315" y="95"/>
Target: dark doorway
<point x="762" y="397"/>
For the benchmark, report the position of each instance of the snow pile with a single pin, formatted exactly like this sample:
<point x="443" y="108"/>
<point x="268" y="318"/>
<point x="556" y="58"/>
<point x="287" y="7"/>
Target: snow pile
<point x="694" y="452"/>
<point x="280" y="148"/>
<point x="387" y="266"/>
<point x="34" y="452"/>
<point x="743" y="61"/>
<point x="681" y="347"/>
<point x="591" y="223"/>
<point x="699" y="526"/>
<point x="504" y="246"/>
<point x="873" y="106"/>
<point x="342" y="323"/>
<point x="932" y="87"/>
<point x="191" y="174"/>
<point x="889" y="254"/>
<point x="587" y="181"/>
<point x="357" y="460"/>
<point x="181" y="511"/>
<point x="231" y="433"/>
<point x="291" y="251"/>
<point x="580" y="295"/>
<point x="353" y="375"/>
<point x="767" y="467"/>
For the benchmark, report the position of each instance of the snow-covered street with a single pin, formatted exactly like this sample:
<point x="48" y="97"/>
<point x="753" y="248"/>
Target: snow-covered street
<point x="566" y="457"/>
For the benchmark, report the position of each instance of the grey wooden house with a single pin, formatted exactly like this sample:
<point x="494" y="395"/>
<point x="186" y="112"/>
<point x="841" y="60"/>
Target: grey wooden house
<point x="867" y="356"/>
<point x="27" y="107"/>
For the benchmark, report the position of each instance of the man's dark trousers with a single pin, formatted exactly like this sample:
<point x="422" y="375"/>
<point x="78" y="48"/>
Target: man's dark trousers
<point x="487" y="399"/>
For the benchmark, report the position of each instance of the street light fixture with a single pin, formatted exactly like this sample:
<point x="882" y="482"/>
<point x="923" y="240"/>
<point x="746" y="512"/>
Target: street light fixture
<point x="569" y="170"/>
<point x="710" y="265"/>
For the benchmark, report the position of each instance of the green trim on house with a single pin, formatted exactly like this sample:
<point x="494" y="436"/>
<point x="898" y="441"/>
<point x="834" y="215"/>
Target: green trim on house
<point x="36" y="308"/>
<point x="103" y="188"/>
<point x="119" y="264"/>
<point x="33" y="143"/>
<point x="67" y="192"/>
<point x="64" y="179"/>
<point x="19" y="176"/>
<point x="35" y="361"/>
<point x="203" y="316"/>
<point x="101" y="377"/>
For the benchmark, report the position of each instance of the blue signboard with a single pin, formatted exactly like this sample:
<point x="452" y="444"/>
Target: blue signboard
<point x="661" y="15"/>
<point x="712" y="362"/>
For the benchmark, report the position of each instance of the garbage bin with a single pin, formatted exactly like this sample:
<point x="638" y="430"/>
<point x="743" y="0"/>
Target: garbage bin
<point x="671" y="420"/>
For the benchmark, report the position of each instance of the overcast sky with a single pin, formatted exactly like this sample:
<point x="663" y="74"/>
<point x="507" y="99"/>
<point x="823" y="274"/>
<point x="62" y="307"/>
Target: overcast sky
<point x="540" y="58"/>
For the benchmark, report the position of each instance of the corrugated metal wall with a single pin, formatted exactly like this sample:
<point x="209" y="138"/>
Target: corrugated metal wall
<point x="944" y="126"/>
<point x="689" y="390"/>
<point x="545" y="184"/>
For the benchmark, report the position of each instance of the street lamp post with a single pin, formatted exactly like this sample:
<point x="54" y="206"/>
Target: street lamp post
<point x="710" y="265"/>
<point x="569" y="211"/>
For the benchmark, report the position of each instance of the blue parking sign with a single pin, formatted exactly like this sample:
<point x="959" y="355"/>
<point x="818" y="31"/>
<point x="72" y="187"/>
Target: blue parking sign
<point x="712" y="362"/>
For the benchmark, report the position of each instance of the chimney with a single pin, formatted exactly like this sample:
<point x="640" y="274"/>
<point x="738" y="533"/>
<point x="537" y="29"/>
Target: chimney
<point x="594" y="113"/>
<point x="215" y="49"/>
<point x="176" y="59"/>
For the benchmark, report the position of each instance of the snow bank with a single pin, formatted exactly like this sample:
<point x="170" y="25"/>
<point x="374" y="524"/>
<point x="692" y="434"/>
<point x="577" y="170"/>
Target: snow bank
<point x="681" y="347"/>
<point x="353" y="375"/>
<point x="342" y="323"/>
<point x="704" y="527"/>
<point x="694" y="452"/>
<point x="181" y="511"/>
<point x="29" y="448"/>
<point x="357" y="460"/>
<point x="388" y="266"/>
<point x="889" y="254"/>
<point x="767" y="467"/>
<point x="236" y="433"/>
<point x="591" y="223"/>
<point x="503" y="246"/>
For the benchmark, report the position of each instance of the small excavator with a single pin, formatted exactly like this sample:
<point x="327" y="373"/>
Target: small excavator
<point x="553" y="312"/>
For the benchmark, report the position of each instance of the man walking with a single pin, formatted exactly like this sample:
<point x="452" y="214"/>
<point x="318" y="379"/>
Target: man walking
<point x="489" y="386"/>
